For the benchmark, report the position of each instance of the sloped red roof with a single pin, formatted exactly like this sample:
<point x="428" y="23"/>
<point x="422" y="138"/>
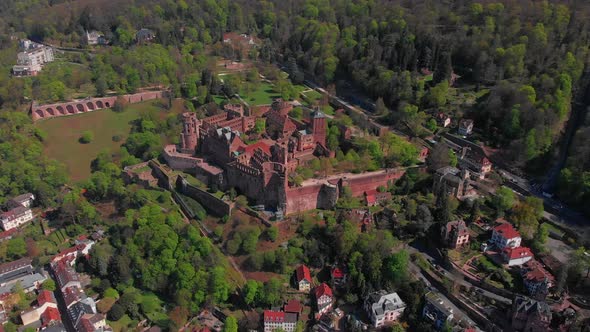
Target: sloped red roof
<point x="302" y="273"/>
<point x="507" y="231"/>
<point x="520" y="252"/>
<point x="293" y="306"/>
<point x="337" y="273"/>
<point x="50" y="314"/>
<point x="322" y="290"/>
<point x="274" y="316"/>
<point x="45" y="296"/>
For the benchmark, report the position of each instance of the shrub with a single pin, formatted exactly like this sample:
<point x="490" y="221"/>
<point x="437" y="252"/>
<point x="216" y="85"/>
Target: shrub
<point x="87" y="137"/>
<point x="117" y="311"/>
<point x="117" y="138"/>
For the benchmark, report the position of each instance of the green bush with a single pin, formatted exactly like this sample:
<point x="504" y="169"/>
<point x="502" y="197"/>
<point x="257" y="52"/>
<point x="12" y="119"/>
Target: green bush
<point x="87" y="137"/>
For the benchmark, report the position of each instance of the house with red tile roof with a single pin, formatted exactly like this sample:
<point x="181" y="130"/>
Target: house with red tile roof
<point x="324" y="298"/>
<point x="45" y="301"/>
<point x="279" y="320"/>
<point x="536" y="279"/>
<point x="294" y="307"/>
<point x="517" y="256"/>
<point x="50" y="317"/>
<point x="303" y="278"/>
<point x="505" y="236"/>
<point x="338" y="276"/>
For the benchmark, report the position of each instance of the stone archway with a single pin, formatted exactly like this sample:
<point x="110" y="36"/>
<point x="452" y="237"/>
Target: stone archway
<point x="50" y="111"/>
<point x="40" y="113"/>
<point x="99" y="104"/>
<point x="90" y="106"/>
<point x="80" y="108"/>
<point x="60" y="110"/>
<point x="107" y="104"/>
<point x="70" y="109"/>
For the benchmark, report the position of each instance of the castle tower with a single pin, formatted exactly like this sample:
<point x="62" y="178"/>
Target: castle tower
<point x="189" y="138"/>
<point x="318" y="126"/>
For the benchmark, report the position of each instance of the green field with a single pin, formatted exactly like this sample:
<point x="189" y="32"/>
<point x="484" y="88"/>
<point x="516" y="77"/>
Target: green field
<point x="63" y="134"/>
<point x="263" y="95"/>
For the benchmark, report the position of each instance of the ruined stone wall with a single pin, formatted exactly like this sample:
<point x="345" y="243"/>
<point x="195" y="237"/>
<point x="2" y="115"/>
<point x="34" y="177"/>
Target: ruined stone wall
<point x="177" y="161"/>
<point x="164" y="180"/>
<point x="88" y="105"/>
<point x="211" y="203"/>
<point x="246" y="181"/>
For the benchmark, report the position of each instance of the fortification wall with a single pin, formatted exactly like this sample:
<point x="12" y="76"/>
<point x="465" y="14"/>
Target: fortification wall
<point x="324" y="195"/>
<point x="315" y="196"/>
<point x="367" y="181"/>
<point x="178" y="161"/>
<point x="164" y="180"/>
<point x="88" y="105"/>
<point x="211" y="203"/>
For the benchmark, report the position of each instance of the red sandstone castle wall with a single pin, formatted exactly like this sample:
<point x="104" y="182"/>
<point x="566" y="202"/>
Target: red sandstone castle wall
<point x="361" y="184"/>
<point x="303" y="198"/>
<point x="88" y="105"/>
<point x="320" y="196"/>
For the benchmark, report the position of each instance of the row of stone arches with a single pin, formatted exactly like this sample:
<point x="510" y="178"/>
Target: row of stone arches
<point x="69" y="109"/>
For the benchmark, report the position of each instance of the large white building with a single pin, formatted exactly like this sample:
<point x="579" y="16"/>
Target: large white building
<point x="31" y="59"/>
<point x="384" y="308"/>
<point x="505" y="236"/>
<point x="18" y="212"/>
<point x="279" y="320"/>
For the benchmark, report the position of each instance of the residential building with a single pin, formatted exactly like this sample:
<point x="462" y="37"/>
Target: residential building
<point x="41" y="311"/>
<point x="20" y="271"/>
<point x="95" y="38"/>
<point x="374" y="197"/>
<point x="455" y="234"/>
<point x="443" y="120"/>
<point x="338" y="276"/>
<point x="32" y="58"/>
<point x="470" y="156"/>
<point x="384" y="308"/>
<point x="505" y="236"/>
<point x="529" y="315"/>
<point x="465" y="127"/>
<point x="144" y="36"/>
<point x="536" y="279"/>
<point x="452" y="181"/>
<point x="293" y="307"/>
<point x="279" y="320"/>
<point x="516" y="256"/>
<point x="436" y="310"/>
<point x="17" y="212"/>
<point x="303" y="278"/>
<point x="324" y="298"/>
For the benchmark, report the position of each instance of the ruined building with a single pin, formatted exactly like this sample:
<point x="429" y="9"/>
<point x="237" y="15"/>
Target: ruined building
<point x="215" y="150"/>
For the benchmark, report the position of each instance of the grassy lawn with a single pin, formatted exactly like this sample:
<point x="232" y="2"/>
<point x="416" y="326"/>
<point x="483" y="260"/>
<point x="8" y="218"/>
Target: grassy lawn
<point x="313" y="95"/>
<point x="63" y="134"/>
<point x="263" y="95"/>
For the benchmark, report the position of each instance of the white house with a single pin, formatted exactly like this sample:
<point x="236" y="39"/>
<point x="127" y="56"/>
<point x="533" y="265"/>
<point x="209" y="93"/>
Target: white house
<point x="384" y="308"/>
<point x="19" y="212"/>
<point x="517" y="256"/>
<point x="324" y="297"/>
<point x="279" y="320"/>
<point x="505" y="236"/>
